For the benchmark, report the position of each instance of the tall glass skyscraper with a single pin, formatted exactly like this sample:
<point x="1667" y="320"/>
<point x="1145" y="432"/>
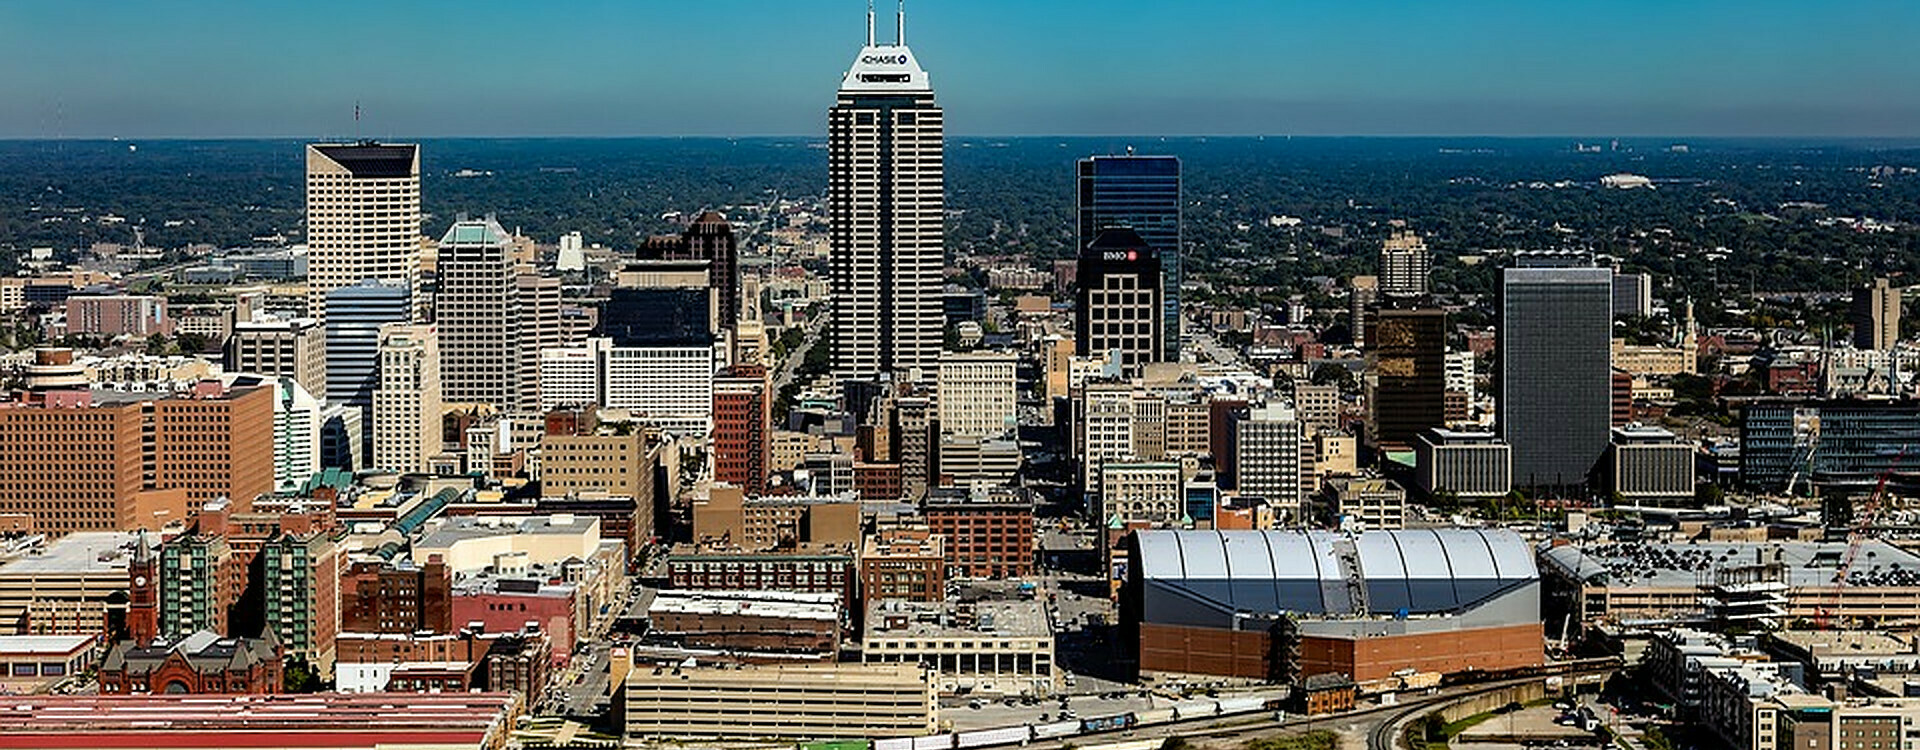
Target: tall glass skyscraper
<point x="1142" y="193"/>
<point x="886" y="205"/>
<point x="1555" y="371"/>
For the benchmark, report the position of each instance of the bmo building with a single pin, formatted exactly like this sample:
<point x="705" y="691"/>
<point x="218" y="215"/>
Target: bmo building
<point x="1119" y="301"/>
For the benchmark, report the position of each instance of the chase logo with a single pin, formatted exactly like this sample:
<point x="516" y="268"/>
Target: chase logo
<point x="884" y="59"/>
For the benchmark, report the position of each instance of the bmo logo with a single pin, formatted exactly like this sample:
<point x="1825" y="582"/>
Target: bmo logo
<point x="1121" y="255"/>
<point x="884" y="59"/>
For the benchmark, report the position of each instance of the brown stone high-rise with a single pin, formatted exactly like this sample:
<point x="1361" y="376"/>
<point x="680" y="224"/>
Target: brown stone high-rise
<point x="709" y="238"/>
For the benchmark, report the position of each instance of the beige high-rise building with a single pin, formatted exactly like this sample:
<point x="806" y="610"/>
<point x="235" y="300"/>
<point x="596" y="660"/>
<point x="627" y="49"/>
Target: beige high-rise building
<point x="978" y="394"/>
<point x="477" y="317"/>
<point x="1405" y="265"/>
<point x="540" y="330"/>
<point x="407" y="400"/>
<point x="281" y="348"/>
<point x="363" y="218"/>
<point x="1876" y="316"/>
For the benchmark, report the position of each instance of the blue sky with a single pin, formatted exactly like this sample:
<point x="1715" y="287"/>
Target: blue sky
<point x="191" y="68"/>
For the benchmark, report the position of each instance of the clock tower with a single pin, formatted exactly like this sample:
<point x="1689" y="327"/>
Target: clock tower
<point x="143" y="614"/>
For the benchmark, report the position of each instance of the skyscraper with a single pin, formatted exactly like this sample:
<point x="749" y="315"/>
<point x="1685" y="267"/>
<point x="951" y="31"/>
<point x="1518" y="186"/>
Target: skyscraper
<point x="540" y="330"/>
<point x="354" y="316"/>
<point x="1555" y="383"/>
<point x="742" y="429"/>
<point x="1119" y="300"/>
<point x="363" y="218"/>
<point x="1405" y="266"/>
<point x="1362" y="304"/>
<point x="886" y="202"/>
<point x="1876" y="315"/>
<point x="406" y="406"/>
<point x="710" y="239"/>
<point x="477" y="313"/>
<point x="1406" y="376"/>
<point x="1141" y="193"/>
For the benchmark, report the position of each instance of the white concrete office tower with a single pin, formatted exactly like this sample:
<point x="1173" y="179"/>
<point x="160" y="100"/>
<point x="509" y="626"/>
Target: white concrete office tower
<point x="477" y="314"/>
<point x="572" y="256"/>
<point x="1405" y="266"/>
<point x="407" y="403"/>
<point x="1267" y="458"/>
<point x="296" y="435"/>
<point x="668" y="386"/>
<point x="886" y="202"/>
<point x="363" y="218"/>
<point x="978" y="394"/>
<point x="569" y="378"/>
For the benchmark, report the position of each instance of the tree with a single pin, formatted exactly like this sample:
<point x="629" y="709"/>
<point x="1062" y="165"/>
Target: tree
<point x="298" y="677"/>
<point x="1331" y="373"/>
<point x="157" y="344"/>
<point x="1708" y="493"/>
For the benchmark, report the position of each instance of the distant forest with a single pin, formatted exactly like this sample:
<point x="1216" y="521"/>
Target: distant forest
<point x="1725" y="214"/>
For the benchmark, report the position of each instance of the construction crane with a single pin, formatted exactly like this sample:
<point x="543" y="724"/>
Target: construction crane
<point x="1857" y="535"/>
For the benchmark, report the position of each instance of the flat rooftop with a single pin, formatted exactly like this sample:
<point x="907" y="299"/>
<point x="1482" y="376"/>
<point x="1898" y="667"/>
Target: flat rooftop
<point x="1018" y="618"/>
<point x="292" y="717"/>
<point x="1844" y="643"/>
<point x="480" y="527"/>
<point x="1665" y="565"/>
<point x="79" y="553"/>
<point x="43" y="644"/>
<point x="770" y="604"/>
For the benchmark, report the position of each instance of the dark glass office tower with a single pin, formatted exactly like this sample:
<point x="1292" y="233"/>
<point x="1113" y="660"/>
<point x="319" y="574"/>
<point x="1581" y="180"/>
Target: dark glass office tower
<point x="1407" y="376"/>
<point x="1142" y="193"/>
<point x="1554" y="375"/>
<point x="1118" y="306"/>
<point x="658" y="316"/>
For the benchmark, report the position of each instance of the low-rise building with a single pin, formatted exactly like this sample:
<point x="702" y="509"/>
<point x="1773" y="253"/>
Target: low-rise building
<point x="988" y="534"/>
<point x="63" y="587"/>
<point x="1466" y="464"/>
<point x="203" y="662"/>
<point x="1367" y="504"/>
<point x="805" y="568"/>
<point x="903" y="563"/>
<point x="779" y="702"/>
<point x="990" y="647"/>
<point x="747" y="623"/>
<point x="329" y="720"/>
<point x="33" y="663"/>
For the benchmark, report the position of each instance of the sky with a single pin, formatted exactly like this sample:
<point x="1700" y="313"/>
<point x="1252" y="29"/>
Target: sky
<point x="273" y="68"/>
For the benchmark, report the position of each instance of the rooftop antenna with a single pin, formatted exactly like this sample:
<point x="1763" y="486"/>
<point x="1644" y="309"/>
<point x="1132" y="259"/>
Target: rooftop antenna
<point x="870" y="23"/>
<point x="900" y="24"/>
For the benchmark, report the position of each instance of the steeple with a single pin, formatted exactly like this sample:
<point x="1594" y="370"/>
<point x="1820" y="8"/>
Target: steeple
<point x="900" y="25"/>
<point x="143" y="615"/>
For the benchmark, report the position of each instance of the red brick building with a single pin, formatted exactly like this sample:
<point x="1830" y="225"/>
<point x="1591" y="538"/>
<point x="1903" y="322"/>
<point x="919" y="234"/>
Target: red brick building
<point x="742" y="429"/>
<point x="385" y="598"/>
<point x="200" y="663"/>
<point x="989" y="537"/>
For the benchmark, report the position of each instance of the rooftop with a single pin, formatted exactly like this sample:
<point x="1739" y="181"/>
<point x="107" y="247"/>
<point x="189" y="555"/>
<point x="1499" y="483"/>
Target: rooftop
<point x="78" y="553"/>
<point x="292" y="717"/>
<point x="1803" y="564"/>
<point x="454" y="530"/>
<point x="792" y="606"/>
<point x="43" y="644"/>
<point x="1845" y="642"/>
<point x="899" y="618"/>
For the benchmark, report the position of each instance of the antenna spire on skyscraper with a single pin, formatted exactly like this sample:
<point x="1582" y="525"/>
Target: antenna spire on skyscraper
<point x="869" y="23"/>
<point x="900" y="24"/>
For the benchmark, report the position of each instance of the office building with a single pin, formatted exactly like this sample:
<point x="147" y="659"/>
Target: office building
<point x="906" y="563"/>
<point x="1120" y="310"/>
<point x="989" y="648"/>
<point x="608" y="464"/>
<point x="1286" y="605"/>
<point x="1268" y="448"/>
<point x="1647" y="465"/>
<point x="708" y="239"/>
<point x="670" y="387"/>
<point x="807" y="568"/>
<point x="988" y="534"/>
<point x="667" y="304"/>
<point x="978" y="394"/>
<point x="1103" y="429"/>
<point x="886" y="205"/>
<point x="1141" y="193"/>
<point x="1366" y="504"/>
<point x="477" y="316"/>
<point x="541" y="329"/>
<point x="280" y="348"/>
<point x="1839" y="444"/>
<point x="62" y="587"/>
<point x="800" y="702"/>
<point x="297" y="421"/>
<point x="1363" y="298"/>
<point x="1632" y="294"/>
<point x="1406" y="377"/>
<point x="1876" y="316"/>
<point x="1555" y="383"/>
<point x="753" y="625"/>
<point x="363" y="219"/>
<point x="1468" y="465"/>
<point x="1405" y="266"/>
<point x="743" y="428"/>
<point x="105" y="312"/>
<point x="1149" y="493"/>
<point x="407" y="405"/>
<point x="354" y="315"/>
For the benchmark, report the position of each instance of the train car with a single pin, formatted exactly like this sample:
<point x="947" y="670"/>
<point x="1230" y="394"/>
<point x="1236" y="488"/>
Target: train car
<point x="1106" y="723"/>
<point x="933" y="742"/>
<point x="1153" y="716"/>
<point x="1129" y="745"/>
<point x="836" y="745"/>
<point x="1050" y="731"/>
<point x="995" y="736"/>
<point x="1241" y="705"/>
<point x="893" y="743"/>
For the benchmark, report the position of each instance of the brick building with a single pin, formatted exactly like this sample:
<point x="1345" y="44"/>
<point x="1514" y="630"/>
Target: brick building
<point x="742" y="428"/>
<point x="986" y="536"/>
<point x="199" y="663"/>
<point x="908" y="564"/>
